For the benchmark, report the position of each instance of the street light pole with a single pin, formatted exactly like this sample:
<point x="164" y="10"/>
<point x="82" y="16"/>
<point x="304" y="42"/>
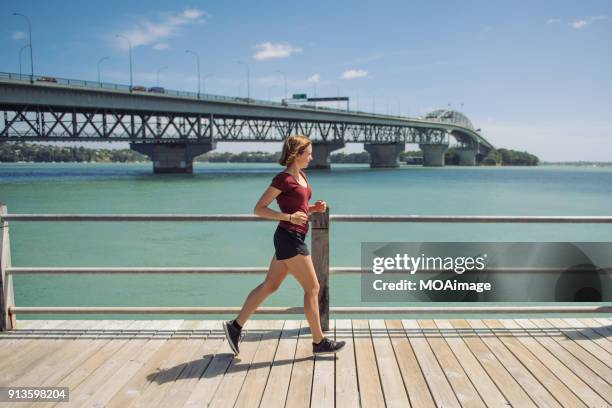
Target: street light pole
<point x="100" y="62"/>
<point x="20" y="52"/>
<point x="198" y="62"/>
<point x="248" y="79"/>
<point x="130" y="48"/>
<point x="157" y="76"/>
<point x="30" y="40"/>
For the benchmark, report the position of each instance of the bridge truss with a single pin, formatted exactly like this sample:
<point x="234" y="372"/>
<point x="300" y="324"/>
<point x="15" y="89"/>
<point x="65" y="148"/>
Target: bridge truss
<point x="47" y="123"/>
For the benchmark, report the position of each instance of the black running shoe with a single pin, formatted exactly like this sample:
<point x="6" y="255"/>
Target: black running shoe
<point x="232" y="335"/>
<point x="327" y="346"/>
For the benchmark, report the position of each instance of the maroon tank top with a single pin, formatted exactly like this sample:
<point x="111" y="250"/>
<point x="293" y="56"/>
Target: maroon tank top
<point x="293" y="197"/>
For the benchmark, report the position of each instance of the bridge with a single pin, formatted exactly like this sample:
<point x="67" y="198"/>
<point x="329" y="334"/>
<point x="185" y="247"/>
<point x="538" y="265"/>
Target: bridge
<point x="173" y="127"/>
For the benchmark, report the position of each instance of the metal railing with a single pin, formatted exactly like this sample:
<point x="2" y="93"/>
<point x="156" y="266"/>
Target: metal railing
<point x="79" y="83"/>
<point x="320" y="256"/>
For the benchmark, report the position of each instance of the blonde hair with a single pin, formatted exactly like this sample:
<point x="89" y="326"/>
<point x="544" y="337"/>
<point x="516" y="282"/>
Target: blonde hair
<point x="294" y="146"/>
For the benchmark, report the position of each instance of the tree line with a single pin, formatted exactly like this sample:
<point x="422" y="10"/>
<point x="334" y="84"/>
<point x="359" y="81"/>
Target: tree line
<point x="28" y="152"/>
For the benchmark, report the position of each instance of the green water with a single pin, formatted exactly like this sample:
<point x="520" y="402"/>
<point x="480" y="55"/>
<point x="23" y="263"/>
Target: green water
<point x="234" y="189"/>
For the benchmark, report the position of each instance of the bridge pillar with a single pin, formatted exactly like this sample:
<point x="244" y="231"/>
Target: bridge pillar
<point x="384" y="154"/>
<point x="467" y="157"/>
<point x="172" y="157"/>
<point x="321" y="152"/>
<point x="433" y="154"/>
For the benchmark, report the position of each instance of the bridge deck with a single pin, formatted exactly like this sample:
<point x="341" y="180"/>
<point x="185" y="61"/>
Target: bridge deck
<point x="419" y="363"/>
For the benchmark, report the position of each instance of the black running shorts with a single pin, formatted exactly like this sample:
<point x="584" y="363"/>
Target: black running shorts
<point x="288" y="244"/>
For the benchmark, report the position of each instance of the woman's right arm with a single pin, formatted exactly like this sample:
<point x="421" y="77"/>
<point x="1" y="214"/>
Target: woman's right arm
<point x="261" y="208"/>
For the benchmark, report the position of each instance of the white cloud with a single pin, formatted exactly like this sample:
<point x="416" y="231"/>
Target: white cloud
<point x="161" y="46"/>
<point x="19" y="35"/>
<point x="147" y="32"/>
<point x="268" y="50"/>
<point x="314" y="78"/>
<point x="354" y="73"/>
<point x="192" y="14"/>
<point x="553" y="21"/>
<point x="578" y="24"/>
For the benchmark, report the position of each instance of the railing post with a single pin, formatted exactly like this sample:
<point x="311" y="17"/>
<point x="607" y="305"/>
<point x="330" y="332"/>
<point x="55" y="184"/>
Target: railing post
<point x="7" y="321"/>
<point x="319" y="242"/>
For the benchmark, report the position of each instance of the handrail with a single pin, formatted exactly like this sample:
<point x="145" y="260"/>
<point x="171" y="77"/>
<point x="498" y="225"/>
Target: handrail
<point x="300" y="310"/>
<point x="320" y="256"/>
<point x="586" y="219"/>
<point x="242" y="270"/>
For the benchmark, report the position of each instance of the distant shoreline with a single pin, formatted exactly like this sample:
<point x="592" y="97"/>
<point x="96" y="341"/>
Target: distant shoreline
<point x="577" y="163"/>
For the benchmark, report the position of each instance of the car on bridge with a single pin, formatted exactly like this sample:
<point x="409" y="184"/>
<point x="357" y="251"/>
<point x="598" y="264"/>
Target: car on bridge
<point x="139" y="88"/>
<point x="157" y="89"/>
<point x="47" y="79"/>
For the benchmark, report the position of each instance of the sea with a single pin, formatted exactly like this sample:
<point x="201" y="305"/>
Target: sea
<point x="234" y="188"/>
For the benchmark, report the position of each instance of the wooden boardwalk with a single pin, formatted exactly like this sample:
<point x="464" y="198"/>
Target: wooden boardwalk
<point x="397" y="363"/>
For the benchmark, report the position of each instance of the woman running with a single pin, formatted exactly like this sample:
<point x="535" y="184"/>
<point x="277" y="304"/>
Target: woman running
<point x="292" y="193"/>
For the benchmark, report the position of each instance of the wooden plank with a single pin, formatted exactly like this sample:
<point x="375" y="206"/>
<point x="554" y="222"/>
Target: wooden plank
<point x="439" y="386"/>
<point x="275" y="393"/>
<point x="204" y="389"/>
<point x="83" y="350"/>
<point x="476" y="373"/>
<point x="605" y="322"/>
<point x="187" y="341"/>
<point x="303" y="368"/>
<point x="578" y="367"/>
<point x="538" y="393"/>
<point x="70" y="357"/>
<point x="323" y="387"/>
<point x="179" y="393"/>
<point x="603" y="329"/>
<point x="319" y="242"/>
<point x="227" y="392"/>
<point x="459" y="381"/>
<point x="579" y="338"/>
<point x="63" y="358"/>
<point x="508" y="386"/>
<point x="347" y="389"/>
<point x="368" y="376"/>
<point x="569" y="378"/>
<point x="27" y="324"/>
<point x="579" y="352"/>
<point x="20" y="343"/>
<point x="73" y="378"/>
<point x="259" y="370"/>
<point x="7" y="297"/>
<point x="547" y="378"/>
<point x="160" y="335"/>
<point x="590" y="332"/>
<point x="82" y="391"/>
<point x="390" y="376"/>
<point x="415" y="383"/>
<point x="161" y="381"/>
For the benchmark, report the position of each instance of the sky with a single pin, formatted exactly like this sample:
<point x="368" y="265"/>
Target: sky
<point x="533" y="75"/>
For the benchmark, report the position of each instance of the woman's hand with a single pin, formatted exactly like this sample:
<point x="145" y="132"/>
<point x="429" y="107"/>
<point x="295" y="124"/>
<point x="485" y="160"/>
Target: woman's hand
<point x="319" y="206"/>
<point x="298" y="218"/>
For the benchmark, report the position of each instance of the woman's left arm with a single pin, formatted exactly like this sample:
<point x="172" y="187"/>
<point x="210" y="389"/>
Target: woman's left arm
<point x="319" y="206"/>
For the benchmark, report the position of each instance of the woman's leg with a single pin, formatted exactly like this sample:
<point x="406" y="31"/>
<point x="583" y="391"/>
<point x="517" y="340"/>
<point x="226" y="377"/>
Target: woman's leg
<point x="302" y="268"/>
<point x="276" y="274"/>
